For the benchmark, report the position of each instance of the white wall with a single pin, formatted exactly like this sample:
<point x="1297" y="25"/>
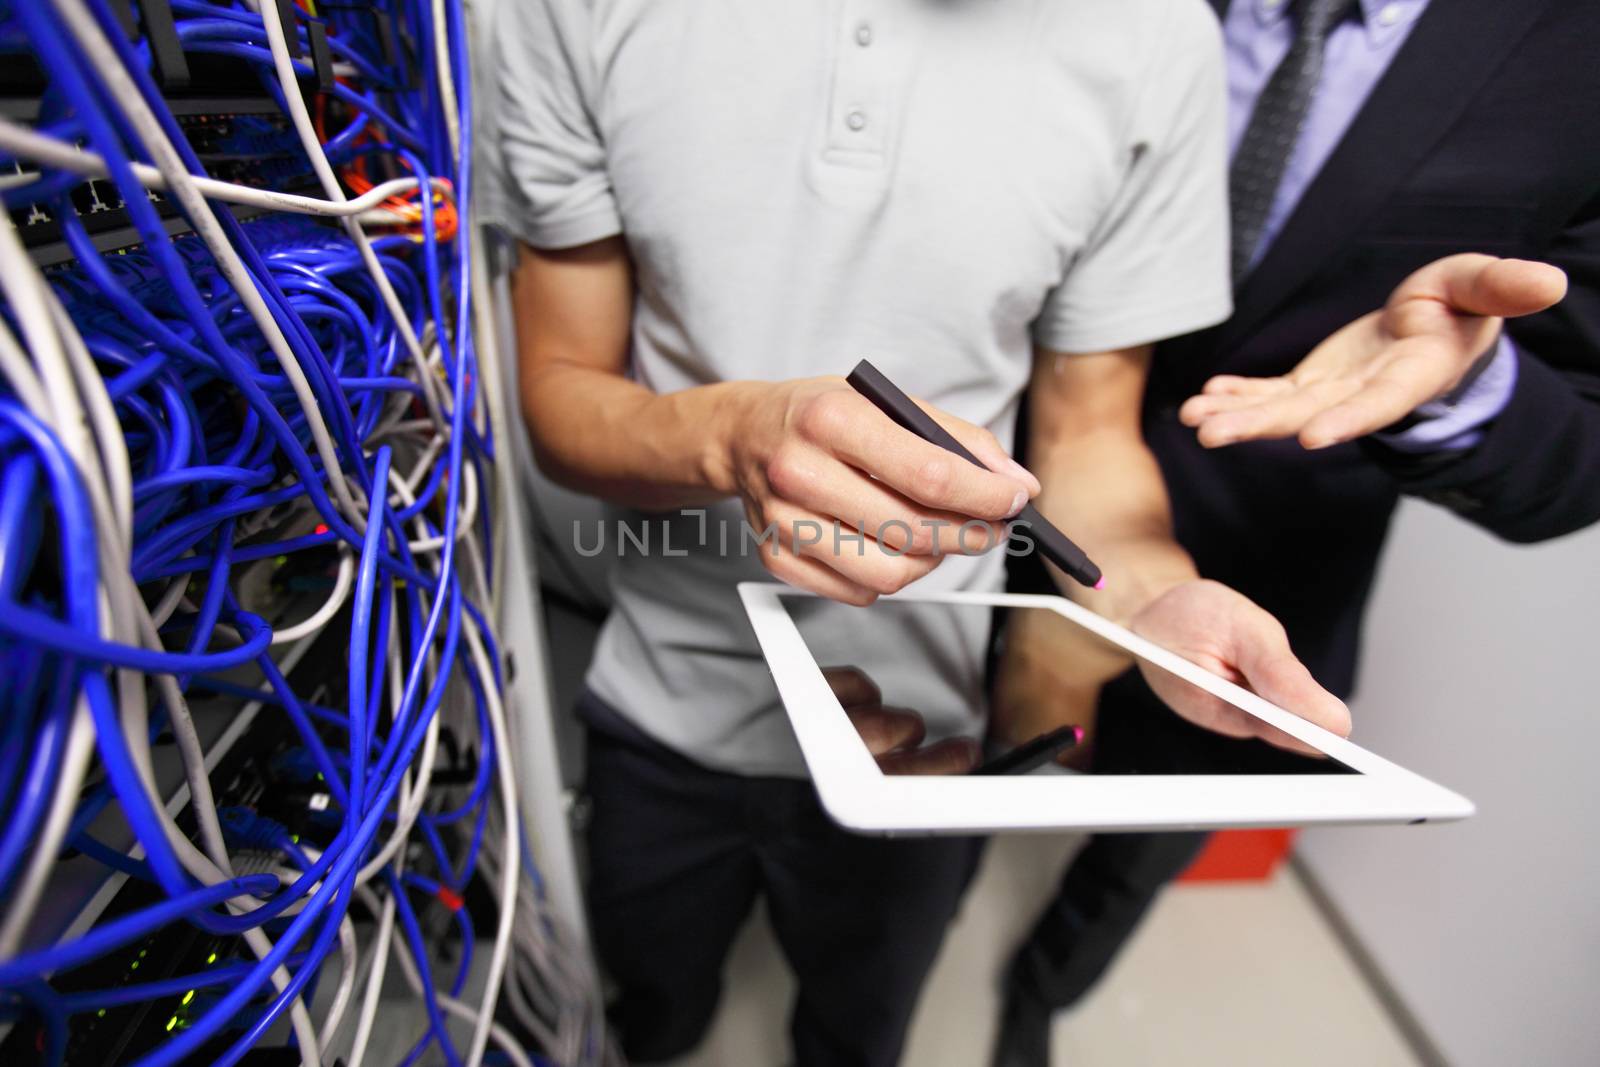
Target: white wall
<point x="1482" y="671"/>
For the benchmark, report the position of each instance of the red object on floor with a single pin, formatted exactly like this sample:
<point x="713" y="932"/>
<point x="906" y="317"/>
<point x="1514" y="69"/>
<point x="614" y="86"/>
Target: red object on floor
<point x="1240" y="856"/>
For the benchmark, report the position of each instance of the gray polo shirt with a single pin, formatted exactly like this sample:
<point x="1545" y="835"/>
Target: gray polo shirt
<point x="936" y="186"/>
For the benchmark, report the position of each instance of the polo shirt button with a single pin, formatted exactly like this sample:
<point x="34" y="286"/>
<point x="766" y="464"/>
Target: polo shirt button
<point x="1389" y="15"/>
<point x="863" y="35"/>
<point x="856" y="120"/>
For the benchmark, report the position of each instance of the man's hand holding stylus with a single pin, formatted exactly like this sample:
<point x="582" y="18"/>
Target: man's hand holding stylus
<point x="1377" y="370"/>
<point x="805" y="457"/>
<point x="811" y="455"/>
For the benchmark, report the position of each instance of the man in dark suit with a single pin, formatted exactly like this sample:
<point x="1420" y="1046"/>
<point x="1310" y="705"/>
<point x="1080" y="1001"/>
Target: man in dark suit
<point x="1373" y="142"/>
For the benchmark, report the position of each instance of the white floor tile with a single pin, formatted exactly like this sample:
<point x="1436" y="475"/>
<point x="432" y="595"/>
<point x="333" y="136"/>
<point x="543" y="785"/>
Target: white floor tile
<point x="1221" y="975"/>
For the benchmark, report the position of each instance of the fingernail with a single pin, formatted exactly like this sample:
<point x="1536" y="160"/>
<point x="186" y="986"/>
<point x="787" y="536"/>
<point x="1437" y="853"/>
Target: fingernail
<point x="1018" y="502"/>
<point x="1025" y="474"/>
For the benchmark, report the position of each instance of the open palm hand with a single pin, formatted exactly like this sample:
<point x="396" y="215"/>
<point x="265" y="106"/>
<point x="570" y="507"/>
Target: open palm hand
<point x="1383" y="366"/>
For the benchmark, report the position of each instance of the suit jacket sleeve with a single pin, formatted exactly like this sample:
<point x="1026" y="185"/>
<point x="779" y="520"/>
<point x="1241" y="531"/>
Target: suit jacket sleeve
<point x="1536" y="473"/>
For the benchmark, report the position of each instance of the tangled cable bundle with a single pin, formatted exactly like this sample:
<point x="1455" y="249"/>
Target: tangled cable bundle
<point x="247" y="498"/>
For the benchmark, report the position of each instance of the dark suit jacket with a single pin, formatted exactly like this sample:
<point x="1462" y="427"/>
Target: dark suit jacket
<point x="1484" y="135"/>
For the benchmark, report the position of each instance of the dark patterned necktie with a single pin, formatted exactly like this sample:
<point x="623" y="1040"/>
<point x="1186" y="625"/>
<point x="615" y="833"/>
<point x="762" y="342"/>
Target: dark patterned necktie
<point x="1280" y="111"/>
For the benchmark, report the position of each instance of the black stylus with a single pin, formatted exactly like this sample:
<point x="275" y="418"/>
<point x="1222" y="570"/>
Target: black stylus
<point x="887" y="397"/>
<point x="1033" y="754"/>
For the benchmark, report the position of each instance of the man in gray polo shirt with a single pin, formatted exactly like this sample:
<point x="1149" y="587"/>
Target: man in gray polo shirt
<point x="720" y="201"/>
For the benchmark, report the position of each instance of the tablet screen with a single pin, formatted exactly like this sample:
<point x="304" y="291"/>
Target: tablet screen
<point x="930" y="693"/>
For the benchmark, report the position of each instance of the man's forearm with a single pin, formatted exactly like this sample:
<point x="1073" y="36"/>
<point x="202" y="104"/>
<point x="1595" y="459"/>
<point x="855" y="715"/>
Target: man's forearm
<point x="600" y="433"/>
<point x="1106" y="489"/>
<point x="1101" y="482"/>
<point x="592" y="428"/>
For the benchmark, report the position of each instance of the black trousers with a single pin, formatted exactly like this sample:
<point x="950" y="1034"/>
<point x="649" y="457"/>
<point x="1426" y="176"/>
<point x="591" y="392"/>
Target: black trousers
<point x="678" y="855"/>
<point x="1112" y="882"/>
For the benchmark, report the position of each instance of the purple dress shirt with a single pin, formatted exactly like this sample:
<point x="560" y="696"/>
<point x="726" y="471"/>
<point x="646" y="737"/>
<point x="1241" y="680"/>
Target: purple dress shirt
<point x="1256" y="36"/>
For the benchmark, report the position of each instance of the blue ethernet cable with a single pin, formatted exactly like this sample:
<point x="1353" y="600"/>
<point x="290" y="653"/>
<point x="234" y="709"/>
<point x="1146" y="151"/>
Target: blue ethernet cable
<point x="81" y="572"/>
<point x="119" y="932"/>
<point x="48" y="39"/>
<point x="197" y="480"/>
<point x="360" y="630"/>
<point x="94" y="1000"/>
<point x="430" y="998"/>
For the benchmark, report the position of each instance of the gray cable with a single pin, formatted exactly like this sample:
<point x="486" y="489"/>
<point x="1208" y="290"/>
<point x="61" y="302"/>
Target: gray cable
<point x="86" y="30"/>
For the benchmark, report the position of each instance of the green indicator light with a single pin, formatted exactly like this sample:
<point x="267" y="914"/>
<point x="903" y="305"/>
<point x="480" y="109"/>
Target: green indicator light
<point x="101" y="1014"/>
<point x="171" y="1023"/>
<point x="188" y="996"/>
<point x="295" y="838"/>
<point x="135" y="966"/>
<point x="211" y="958"/>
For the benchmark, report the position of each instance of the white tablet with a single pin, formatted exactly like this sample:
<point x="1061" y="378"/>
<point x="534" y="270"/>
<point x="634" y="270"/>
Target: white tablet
<point x="1347" y="784"/>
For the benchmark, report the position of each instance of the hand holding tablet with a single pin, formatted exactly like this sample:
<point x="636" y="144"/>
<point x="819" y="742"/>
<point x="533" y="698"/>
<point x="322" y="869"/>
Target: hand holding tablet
<point x="896" y="736"/>
<point x="1213" y="626"/>
<point x="1268" y="787"/>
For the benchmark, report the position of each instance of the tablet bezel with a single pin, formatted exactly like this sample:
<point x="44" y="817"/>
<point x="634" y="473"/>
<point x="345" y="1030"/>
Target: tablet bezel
<point x="860" y="798"/>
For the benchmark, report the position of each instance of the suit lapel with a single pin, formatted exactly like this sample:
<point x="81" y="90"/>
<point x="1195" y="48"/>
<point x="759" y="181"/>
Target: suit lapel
<point x="1452" y="51"/>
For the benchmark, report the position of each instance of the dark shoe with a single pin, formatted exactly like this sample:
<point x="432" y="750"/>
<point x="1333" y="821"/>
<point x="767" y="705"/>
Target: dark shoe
<point x="1024" y="1036"/>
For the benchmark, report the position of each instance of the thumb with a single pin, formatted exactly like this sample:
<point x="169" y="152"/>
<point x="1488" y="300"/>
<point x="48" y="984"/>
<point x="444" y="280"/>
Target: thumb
<point x="1273" y="672"/>
<point x="1477" y="284"/>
